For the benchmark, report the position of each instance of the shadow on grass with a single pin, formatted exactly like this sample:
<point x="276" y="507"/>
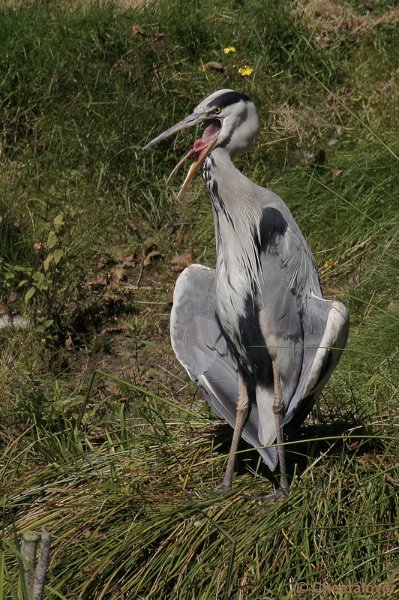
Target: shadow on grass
<point x="349" y="437"/>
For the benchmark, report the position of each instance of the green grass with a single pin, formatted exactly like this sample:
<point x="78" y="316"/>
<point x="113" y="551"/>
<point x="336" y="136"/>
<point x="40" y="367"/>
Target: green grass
<point x="103" y="439"/>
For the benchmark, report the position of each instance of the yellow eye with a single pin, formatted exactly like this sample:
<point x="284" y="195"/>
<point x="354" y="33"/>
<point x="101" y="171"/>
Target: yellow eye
<point x="217" y="110"/>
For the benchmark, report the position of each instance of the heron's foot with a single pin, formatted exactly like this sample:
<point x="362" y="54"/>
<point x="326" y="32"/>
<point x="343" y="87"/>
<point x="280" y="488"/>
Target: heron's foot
<point x="202" y="495"/>
<point x="197" y="495"/>
<point x="270" y="499"/>
<point x="223" y="490"/>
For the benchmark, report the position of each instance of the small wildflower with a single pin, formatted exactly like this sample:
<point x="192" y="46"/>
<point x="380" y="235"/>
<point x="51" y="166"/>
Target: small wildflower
<point x="229" y="49"/>
<point x="245" y="71"/>
<point x="329" y="263"/>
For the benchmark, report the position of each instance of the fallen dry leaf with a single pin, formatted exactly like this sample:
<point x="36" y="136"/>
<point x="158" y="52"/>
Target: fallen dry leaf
<point x="5" y="310"/>
<point x="150" y="256"/>
<point x="100" y="280"/>
<point x="112" y="329"/>
<point x="127" y="260"/>
<point x="12" y="296"/>
<point x="323" y="41"/>
<point x="178" y="237"/>
<point x="69" y="345"/>
<point x="353" y="24"/>
<point x="102" y="261"/>
<point x="137" y="30"/>
<point x="118" y="275"/>
<point x="214" y="66"/>
<point x="178" y="263"/>
<point x="335" y="173"/>
<point x="149" y="249"/>
<point x="131" y="224"/>
<point x="150" y="253"/>
<point x="86" y="534"/>
<point x="117" y="392"/>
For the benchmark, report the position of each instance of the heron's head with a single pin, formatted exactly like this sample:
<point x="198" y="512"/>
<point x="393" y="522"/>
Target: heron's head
<point x="231" y="122"/>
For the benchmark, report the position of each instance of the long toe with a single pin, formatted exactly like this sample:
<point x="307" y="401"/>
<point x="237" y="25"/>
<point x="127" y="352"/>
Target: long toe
<point x="270" y="499"/>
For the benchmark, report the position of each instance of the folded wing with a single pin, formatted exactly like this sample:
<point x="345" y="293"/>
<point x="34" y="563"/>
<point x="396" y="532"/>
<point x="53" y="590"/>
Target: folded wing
<point x="202" y="349"/>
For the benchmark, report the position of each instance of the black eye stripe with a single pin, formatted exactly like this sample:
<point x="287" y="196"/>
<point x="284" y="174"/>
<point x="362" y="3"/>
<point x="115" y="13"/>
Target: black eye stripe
<point x="227" y="99"/>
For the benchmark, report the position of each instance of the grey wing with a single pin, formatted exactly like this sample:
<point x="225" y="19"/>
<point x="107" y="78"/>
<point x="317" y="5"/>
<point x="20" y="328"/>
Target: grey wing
<point x="304" y="333"/>
<point x="200" y="346"/>
<point x="326" y="329"/>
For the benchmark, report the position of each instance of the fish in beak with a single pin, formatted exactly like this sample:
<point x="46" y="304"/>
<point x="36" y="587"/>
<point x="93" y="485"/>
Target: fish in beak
<point x="202" y="147"/>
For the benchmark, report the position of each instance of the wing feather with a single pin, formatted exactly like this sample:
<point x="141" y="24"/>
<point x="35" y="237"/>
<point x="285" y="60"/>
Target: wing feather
<point x="200" y="346"/>
<point x="304" y="333"/>
<point x="325" y="335"/>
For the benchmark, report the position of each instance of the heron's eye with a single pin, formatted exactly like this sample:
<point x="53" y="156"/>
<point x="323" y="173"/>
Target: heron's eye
<point x="217" y="110"/>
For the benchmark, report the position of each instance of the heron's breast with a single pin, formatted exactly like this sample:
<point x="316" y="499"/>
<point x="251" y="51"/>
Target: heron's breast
<point x="230" y="297"/>
<point x="238" y="312"/>
<point x="233" y="289"/>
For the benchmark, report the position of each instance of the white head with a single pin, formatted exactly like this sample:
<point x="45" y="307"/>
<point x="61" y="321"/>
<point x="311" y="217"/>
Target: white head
<point x="231" y="123"/>
<point x="235" y="116"/>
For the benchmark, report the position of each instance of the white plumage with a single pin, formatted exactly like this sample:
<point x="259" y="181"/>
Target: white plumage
<point x="255" y="334"/>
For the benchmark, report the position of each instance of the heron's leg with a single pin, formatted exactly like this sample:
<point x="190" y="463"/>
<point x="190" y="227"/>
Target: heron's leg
<point x="278" y="409"/>
<point x="241" y="416"/>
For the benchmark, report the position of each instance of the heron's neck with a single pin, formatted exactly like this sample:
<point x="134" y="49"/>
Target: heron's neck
<point x="234" y="196"/>
<point x="237" y="213"/>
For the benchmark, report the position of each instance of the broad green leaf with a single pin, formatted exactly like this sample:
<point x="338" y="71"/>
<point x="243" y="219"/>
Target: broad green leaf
<point x="29" y="294"/>
<point x="48" y="261"/>
<point x="57" y="255"/>
<point x="52" y="239"/>
<point x="58" y="221"/>
<point x="39" y="278"/>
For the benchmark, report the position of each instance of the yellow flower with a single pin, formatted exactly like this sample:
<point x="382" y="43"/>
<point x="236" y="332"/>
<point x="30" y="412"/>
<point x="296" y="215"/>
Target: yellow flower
<point x="245" y="71"/>
<point x="329" y="263"/>
<point x="229" y="49"/>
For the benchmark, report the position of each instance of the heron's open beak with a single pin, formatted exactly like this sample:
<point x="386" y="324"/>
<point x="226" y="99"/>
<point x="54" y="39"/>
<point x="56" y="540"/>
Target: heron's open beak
<point x="202" y="147"/>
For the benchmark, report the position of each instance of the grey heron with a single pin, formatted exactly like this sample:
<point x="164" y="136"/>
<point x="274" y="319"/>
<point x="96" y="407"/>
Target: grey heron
<point x="255" y="333"/>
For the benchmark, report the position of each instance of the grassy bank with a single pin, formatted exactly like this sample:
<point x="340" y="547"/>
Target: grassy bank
<point x="103" y="439"/>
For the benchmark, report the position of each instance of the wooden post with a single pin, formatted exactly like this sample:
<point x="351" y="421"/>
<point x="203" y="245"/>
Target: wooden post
<point x="28" y="551"/>
<point x="42" y="565"/>
<point x="34" y="571"/>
